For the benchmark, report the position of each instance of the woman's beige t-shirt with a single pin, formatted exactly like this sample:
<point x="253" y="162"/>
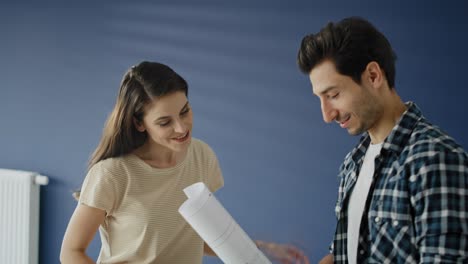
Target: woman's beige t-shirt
<point x="143" y="224"/>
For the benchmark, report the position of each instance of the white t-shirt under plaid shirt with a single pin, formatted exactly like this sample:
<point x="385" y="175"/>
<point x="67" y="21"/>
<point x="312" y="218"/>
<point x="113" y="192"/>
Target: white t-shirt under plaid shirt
<point x="358" y="198"/>
<point x="143" y="224"/>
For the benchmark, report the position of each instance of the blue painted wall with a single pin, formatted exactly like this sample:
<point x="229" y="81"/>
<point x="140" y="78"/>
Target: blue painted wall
<point x="61" y="64"/>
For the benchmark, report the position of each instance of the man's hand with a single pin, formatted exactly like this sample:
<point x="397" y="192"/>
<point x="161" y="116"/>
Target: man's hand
<point x="328" y="259"/>
<point x="283" y="253"/>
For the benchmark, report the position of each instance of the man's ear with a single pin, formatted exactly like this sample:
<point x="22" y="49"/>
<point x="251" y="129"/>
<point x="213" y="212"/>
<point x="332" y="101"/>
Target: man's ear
<point x="139" y="126"/>
<point x="374" y="74"/>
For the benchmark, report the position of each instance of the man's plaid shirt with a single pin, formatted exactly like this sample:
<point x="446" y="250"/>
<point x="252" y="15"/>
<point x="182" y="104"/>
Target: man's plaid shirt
<point x="417" y="210"/>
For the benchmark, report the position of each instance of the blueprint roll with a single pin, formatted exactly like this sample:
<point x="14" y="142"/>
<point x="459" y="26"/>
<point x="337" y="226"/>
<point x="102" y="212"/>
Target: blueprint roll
<point x="217" y="227"/>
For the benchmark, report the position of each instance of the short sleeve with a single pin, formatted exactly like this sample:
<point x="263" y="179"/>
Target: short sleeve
<point x="99" y="189"/>
<point x="215" y="178"/>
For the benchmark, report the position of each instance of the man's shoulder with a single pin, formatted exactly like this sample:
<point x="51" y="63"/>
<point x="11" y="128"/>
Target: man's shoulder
<point x="429" y="142"/>
<point x="428" y="136"/>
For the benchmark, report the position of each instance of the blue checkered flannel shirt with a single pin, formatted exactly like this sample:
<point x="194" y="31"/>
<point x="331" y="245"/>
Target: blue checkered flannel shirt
<point x="417" y="208"/>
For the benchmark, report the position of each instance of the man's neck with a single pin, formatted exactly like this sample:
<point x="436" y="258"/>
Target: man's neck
<point x="393" y="109"/>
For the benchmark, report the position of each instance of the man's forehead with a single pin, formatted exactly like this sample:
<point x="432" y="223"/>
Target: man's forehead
<point x="324" y="77"/>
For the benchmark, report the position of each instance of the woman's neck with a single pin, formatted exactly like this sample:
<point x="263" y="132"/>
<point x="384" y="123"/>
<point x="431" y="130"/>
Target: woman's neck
<point x="159" y="156"/>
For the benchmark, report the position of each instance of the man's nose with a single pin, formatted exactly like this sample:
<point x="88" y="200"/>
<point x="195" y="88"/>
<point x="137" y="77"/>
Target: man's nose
<point x="328" y="112"/>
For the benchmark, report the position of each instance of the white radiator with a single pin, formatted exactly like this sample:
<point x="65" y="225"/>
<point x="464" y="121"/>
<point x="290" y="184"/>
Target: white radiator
<point x="19" y="216"/>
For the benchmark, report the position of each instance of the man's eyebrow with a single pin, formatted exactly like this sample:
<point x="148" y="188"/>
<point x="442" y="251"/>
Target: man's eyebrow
<point x="326" y="90"/>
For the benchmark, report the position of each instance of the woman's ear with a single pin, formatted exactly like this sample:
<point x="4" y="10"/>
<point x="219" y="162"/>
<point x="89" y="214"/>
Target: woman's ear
<point x="139" y="126"/>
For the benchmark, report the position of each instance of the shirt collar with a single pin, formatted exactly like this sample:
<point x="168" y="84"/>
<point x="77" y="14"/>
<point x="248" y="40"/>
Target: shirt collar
<point x="398" y="137"/>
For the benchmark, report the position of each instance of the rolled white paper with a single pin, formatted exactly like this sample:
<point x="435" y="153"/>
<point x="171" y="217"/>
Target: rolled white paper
<point x="217" y="228"/>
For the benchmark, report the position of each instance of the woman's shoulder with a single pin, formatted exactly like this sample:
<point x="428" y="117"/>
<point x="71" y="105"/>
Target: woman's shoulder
<point x="199" y="145"/>
<point x="114" y="165"/>
<point x="198" y="142"/>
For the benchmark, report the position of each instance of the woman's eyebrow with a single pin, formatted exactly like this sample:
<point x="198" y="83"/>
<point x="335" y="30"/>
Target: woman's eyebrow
<point x="166" y="117"/>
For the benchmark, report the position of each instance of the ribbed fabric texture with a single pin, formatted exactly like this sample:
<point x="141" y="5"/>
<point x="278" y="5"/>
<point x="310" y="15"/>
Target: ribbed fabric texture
<point x="143" y="224"/>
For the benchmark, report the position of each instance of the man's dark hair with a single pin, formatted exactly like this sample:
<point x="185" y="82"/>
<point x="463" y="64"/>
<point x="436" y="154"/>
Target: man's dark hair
<point x="350" y="44"/>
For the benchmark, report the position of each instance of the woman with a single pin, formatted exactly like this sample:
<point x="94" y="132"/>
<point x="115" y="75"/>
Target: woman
<point x="136" y="175"/>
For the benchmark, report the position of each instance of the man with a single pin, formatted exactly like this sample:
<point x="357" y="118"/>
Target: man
<point x="403" y="195"/>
